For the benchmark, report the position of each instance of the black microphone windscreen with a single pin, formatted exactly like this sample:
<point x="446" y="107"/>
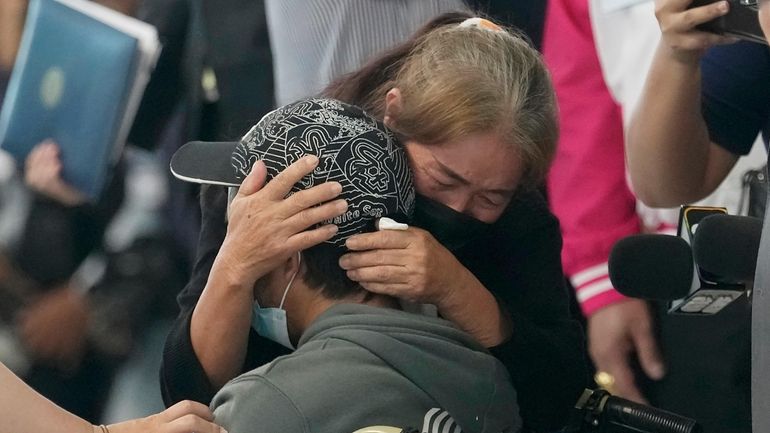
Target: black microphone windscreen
<point x="727" y="245"/>
<point x="649" y="266"/>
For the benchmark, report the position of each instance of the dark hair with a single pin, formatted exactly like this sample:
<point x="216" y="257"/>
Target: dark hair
<point x="321" y="271"/>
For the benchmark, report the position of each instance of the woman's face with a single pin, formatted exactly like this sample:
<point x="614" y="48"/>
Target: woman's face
<point x="476" y="175"/>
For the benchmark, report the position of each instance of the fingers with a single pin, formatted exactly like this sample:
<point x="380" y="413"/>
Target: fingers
<point x="385" y="239"/>
<point x="43" y="160"/>
<point x="624" y="381"/>
<point x="690" y="18"/>
<point x="378" y="257"/>
<point x="379" y="274"/>
<point x="310" y="238"/>
<point x="649" y="355"/>
<point x="186" y="407"/>
<point x="282" y="184"/>
<point x="679" y="26"/>
<point x="255" y="180"/>
<point x="191" y="423"/>
<point x="395" y="290"/>
<point x="43" y="174"/>
<point x="312" y="197"/>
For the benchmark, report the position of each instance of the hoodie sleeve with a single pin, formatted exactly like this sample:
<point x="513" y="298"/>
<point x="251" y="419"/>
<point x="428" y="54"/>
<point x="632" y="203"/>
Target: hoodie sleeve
<point x="252" y="404"/>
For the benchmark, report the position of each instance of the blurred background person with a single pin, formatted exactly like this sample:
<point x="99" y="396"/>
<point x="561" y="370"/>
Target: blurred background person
<point x="214" y="77"/>
<point x="129" y="267"/>
<point x="701" y="108"/>
<point x="599" y="54"/>
<point x="336" y="37"/>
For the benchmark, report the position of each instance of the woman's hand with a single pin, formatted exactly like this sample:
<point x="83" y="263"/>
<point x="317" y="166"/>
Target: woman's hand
<point x="412" y="265"/>
<point x="265" y="228"/>
<point x="183" y="417"/>
<point x="407" y="264"/>
<point x="677" y="24"/>
<point x="43" y="174"/>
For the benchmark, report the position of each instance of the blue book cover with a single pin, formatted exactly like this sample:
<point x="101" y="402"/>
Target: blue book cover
<point x="70" y="83"/>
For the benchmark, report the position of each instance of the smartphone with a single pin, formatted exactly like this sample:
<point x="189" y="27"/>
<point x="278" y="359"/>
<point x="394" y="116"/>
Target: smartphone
<point x="741" y="22"/>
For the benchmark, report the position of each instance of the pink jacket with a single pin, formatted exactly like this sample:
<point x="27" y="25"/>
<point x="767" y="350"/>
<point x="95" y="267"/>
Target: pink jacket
<point x="587" y="184"/>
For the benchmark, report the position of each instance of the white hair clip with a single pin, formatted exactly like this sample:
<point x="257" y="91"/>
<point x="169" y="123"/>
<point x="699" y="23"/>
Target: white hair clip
<point x="481" y="23"/>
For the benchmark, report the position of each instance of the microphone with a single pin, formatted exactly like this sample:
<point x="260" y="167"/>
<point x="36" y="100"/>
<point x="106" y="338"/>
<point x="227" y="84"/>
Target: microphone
<point x="598" y="411"/>
<point x="725" y="247"/>
<point x="652" y="266"/>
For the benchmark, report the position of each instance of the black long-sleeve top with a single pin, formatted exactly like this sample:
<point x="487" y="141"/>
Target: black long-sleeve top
<point x="518" y="261"/>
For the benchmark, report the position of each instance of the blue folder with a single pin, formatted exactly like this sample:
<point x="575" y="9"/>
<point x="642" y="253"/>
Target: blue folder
<point x="71" y="83"/>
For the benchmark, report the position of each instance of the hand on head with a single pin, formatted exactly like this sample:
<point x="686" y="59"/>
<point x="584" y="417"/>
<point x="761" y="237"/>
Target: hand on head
<point x="183" y="417"/>
<point x="407" y="264"/>
<point x="265" y="227"/>
<point x="43" y="174"/>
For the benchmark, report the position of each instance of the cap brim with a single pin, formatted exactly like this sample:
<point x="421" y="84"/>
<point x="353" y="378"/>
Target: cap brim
<point x="205" y="162"/>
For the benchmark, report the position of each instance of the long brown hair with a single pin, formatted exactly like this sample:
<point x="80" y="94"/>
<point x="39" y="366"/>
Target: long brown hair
<point x="461" y="80"/>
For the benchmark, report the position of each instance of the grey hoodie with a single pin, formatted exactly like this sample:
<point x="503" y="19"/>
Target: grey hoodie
<point x="358" y="366"/>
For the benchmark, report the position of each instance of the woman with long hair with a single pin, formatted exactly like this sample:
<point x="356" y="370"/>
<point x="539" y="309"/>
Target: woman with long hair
<point x="474" y="108"/>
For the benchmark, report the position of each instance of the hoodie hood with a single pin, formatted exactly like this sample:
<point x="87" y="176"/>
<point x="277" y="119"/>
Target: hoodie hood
<point x="436" y="356"/>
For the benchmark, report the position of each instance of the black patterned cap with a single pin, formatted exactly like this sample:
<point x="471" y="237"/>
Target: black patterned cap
<point x="354" y="149"/>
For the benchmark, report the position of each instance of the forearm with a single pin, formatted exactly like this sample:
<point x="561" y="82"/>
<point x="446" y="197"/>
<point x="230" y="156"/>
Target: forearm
<point x="668" y="143"/>
<point x="475" y="310"/>
<point x="220" y="324"/>
<point x="25" y="411"/>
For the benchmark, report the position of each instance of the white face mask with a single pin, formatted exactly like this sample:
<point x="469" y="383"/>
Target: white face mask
<point x="271" y="322"/>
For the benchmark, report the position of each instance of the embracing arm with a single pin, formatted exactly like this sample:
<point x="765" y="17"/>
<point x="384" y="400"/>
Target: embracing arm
<point x="213" y="334"/>
<point x="182" y="375"/>
<point x="545" y="355"/>
<point x="506" y="291"/>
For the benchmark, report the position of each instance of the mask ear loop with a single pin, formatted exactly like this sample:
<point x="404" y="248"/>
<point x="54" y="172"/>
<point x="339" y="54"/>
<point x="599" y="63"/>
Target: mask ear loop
<point x="291" y="280"/>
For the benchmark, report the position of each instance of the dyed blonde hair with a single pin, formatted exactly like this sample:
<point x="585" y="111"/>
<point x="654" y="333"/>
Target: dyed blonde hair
<point x="456" y="81"/>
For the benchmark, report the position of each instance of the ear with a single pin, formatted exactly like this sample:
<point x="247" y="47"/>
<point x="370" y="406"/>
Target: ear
<point x="292" y="266"/>
<point x="276" y="280"/>
<point x="392" y="107"/>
